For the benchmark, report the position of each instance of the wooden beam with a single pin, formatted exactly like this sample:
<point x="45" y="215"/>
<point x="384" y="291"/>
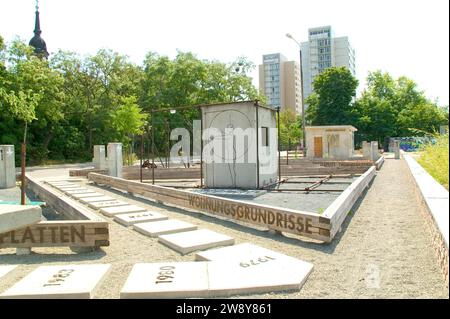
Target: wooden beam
<point x="283" y="219"/>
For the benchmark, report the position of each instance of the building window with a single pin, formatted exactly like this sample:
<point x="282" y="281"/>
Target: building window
<point x="265" y="136"/>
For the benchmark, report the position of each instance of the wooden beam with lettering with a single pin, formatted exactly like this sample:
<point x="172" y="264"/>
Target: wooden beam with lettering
<point x="283" y="219"/>
<point x="58" y="234"/>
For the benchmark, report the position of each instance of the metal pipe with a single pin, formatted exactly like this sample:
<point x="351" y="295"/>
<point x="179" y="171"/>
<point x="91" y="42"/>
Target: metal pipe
<point x="257" y="144"/>
<point x="142" y="156"/>
<point x="23" y="156"/>
<point x="201" y="148"/>
<point x="279" y="144"/>
<point x="153" y="148"/>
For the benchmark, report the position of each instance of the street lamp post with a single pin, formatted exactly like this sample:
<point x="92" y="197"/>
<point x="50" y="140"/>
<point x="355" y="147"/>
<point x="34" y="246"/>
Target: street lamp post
<point x="303" y="102"/>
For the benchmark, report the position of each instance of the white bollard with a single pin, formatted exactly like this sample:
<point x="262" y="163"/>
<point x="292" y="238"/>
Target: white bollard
<point x="7" y="167"/>
<point x="99" y="159"/>
<point x="114" y="160"/>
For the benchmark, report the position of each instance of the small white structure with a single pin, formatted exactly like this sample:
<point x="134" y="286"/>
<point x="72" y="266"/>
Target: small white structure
<point x="240" y="145"/>
<point x="7" y="167"/>
<point x="114" y="160"/>
<point x="330" y="141"/>
<point x="375" y="152"/>
<point x="99" y="159"/>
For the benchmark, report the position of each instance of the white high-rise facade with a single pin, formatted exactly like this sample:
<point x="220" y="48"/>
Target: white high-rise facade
<point x="322" y="51"/>
<point x="279" y="81"/>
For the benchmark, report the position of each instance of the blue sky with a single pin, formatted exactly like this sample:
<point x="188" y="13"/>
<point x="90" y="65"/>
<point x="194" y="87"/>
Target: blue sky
<point x="403" y="37"/>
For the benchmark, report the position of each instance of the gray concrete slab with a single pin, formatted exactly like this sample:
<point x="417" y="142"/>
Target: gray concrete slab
<point x="167" y="280"/>
<point x="87" y="200"/>
<point x="4" y="270"/>
<point x="187" y="242"/>
<point x="59" y="282"/>
<point x="141" y="217"/>
<point x="18" y="216"/>
<point x="111" y="203"/>
<point x="111" y="211"/>
<point x="171" y="226"/>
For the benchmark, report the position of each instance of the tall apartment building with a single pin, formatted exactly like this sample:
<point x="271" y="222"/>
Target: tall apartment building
<point x="322" y="51"/>
<point x="279" y="81"/>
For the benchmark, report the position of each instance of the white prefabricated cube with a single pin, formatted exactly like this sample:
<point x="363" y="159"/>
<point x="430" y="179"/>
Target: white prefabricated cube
<point x="87" y="200"/>
<point x="18" y="216"/>
<point x="111" y="211"/>
<point x="142" y="217"/>
<point x="190" y="241"/>
<point x="7" y="167"/>
<point x="99" y="159"/>
<point x="167" y="280"/>
<point x="114" y="160"/>
<point x="171" y="226"/>
<point x="62" y="282"/>
<point x="4" y="270"/>
<point x="248" y="268"/>
<point x="111" y="203"/>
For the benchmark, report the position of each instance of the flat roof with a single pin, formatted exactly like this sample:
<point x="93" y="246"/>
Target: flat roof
<point x="237" y="102"/>
<point x="332" y="127"/>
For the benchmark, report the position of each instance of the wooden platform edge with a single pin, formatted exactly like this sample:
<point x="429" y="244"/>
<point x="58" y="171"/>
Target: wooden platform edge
<point x="302" y="223"/>
<point x="339" y="209"/>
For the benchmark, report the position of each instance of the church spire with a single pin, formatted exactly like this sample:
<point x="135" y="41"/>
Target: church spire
<point x="39" y="45"/>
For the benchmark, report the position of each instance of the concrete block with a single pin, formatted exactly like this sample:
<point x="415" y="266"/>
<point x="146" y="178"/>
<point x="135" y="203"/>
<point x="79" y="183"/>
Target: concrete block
<point x="99" y="159"/>
<point x="85" y="195"/>
<point x="171" y="226"/>
<point x="112" y="203"/>
<point x="367" y="152"/>
<point x="114" y="160"/>
<point x="111" y="211"/>
<point x="4" y="270"/>
<point x="167" y="280"/>
<point x="187" y="242"/>
<point x="7" y="167"/>
<point x="135" y="218"/>
<point x="248" y="268"/>
<point x="87" y="200"/>
<point x="23" y="251"/>
<point x="67" y="188"/>
<point x="62" y="282"/>
<point x="256" y="275"/>
<point x="78" y="190"/>
<point x="18" y="216"/>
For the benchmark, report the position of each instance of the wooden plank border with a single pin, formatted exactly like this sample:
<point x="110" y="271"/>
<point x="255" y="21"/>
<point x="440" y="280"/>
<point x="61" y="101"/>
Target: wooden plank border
<point x="282" y="219"/>
<point x="341" y="206"/>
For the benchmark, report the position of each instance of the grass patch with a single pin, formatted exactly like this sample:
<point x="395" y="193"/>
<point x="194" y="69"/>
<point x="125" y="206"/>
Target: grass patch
<point x="434" y="159"/>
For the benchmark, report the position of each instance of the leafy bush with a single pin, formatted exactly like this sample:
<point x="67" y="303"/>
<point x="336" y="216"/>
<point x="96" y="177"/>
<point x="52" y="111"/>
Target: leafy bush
<point x="434" y="159"/>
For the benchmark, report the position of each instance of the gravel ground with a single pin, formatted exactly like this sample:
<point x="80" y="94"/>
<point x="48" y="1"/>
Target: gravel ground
<point x="383" y="251"/>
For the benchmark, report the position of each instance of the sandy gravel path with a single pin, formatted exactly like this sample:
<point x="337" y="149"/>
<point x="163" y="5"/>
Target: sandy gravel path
<point x="383" y="250"/>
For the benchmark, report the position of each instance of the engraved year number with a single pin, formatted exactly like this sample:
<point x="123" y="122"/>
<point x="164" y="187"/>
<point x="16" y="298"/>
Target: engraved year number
<point x="254" y="262"/>
<point x="165" y="274"/>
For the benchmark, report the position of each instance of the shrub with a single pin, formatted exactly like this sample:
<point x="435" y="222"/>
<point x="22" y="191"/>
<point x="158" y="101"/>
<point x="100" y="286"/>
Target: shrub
<point x="434" y="159"/>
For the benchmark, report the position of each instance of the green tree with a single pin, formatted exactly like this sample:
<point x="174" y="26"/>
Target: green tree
<point x="331" y="101"/>
<point x="290" y="128"/>
<point x="391" y="107"/>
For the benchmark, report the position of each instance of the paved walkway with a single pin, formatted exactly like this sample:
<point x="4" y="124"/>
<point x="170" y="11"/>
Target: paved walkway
<point x="386" y="246"/>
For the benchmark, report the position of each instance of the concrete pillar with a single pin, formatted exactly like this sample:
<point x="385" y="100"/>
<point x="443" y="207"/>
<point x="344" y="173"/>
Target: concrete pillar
<point x="99" y="157"/>
<point x="7" y="167"/>
<point x="397" y="149"/>
<point x="114" y="160"/>
<point x="367" y="153"/>
<point x="374" y="150"/>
